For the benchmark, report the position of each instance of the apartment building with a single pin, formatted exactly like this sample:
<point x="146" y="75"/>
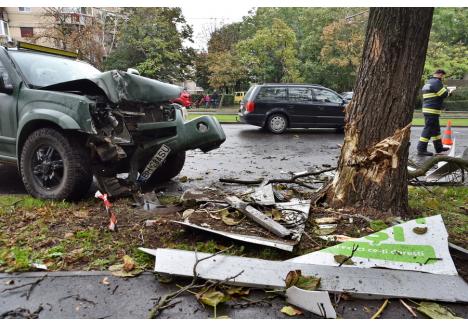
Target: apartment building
<point x="23" y="23"/>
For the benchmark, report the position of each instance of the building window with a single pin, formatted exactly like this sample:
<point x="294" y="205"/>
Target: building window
<point x="24" y="9"/>
<point x="27" y="31"/>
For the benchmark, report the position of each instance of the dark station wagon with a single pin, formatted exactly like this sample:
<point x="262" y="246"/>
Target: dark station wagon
<point x="277" y="107"/>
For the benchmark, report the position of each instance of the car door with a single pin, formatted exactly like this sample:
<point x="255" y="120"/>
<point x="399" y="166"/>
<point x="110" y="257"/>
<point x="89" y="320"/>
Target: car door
<point x="301" y="106"/>
<point x="8" y="122"/>
<point x="330" y="108"/>
<point x="271" y="98"/>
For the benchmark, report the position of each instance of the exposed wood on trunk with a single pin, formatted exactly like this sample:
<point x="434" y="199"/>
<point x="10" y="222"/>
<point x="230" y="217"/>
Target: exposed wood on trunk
<point x="372" y="169"/>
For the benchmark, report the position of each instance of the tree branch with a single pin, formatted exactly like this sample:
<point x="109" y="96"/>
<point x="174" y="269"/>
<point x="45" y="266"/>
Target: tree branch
<point x="421" y="171"/>
<point x="290" y="180"/>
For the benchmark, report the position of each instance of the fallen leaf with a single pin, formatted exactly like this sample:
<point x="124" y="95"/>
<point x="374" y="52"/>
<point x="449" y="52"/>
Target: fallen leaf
<point x="276" y="214"/>
<point x="128" y="264"/>
<point x="230" y="221"/>
<point x="238" y="290"/>
<point x="343" y="259"/>
<point x="436" y="311"/>
<point x="165" y="279"/>
<point x="81" y="214"/>
<point x="213" y="298"/>
<point x="105" y="281"/>
<point x="420" y="230"/>
<point x="325" y="220"/>
<point x="187" y="213"/>
<point x="378" y="225"/>
<point x="309" y="283"/>
<point x="183" y="179"/>
<point x="292" y="278"/>
<point x="68" y="235"/>
<point x="325" y="231"/>
<point x="118" y="270"/>
<point x="290" y="311"/>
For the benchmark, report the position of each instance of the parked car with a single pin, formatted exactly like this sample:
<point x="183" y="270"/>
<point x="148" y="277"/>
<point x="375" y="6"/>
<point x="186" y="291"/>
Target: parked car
<point x="63" y="121"/>
<point x="238" y="96"/>
<point x="347" y="95"/>
<point x="184" y="99"/>
<point x="277" y="107"/>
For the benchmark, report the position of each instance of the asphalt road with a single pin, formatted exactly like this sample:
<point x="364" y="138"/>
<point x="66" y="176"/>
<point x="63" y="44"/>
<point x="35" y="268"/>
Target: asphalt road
<point x="249" y="153"/>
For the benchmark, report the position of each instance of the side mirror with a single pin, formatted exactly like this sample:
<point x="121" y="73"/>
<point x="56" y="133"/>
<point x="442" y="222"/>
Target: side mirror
<point x="5" y="87"/>
<point x="133" y="71"/>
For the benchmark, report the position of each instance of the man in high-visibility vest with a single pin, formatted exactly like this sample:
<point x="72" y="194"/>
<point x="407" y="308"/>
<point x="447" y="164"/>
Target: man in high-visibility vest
<point x="433" y="93"/>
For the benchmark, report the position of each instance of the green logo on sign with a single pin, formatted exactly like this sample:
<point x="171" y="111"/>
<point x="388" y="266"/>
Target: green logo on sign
<point x="419" y="254"/>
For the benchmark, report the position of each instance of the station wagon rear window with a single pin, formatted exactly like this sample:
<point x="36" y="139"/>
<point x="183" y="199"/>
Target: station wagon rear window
<point x="272" y="94"/>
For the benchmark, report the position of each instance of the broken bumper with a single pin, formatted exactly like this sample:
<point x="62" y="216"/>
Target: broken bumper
<point x="204" y="133"/>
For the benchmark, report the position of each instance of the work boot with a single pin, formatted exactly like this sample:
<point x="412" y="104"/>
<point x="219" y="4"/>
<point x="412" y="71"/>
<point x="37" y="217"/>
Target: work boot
<point x="422" y="149"/>
<point x="439" y="148"/>
<point x="425" y="153"/>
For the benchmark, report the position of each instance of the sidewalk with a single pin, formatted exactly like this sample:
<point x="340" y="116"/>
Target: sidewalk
<point x="87" y="295"/>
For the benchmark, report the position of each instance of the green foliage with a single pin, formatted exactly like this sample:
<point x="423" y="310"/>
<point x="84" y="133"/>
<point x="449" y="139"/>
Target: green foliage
<point x="228" y="99"/>
<point x="151" y="40"/>
<point x="271" y="55"/>
<point x="225" y="70"/>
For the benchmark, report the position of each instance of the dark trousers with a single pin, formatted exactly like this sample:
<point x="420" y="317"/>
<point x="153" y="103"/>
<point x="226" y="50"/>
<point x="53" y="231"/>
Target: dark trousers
<point x="431" y="131"/>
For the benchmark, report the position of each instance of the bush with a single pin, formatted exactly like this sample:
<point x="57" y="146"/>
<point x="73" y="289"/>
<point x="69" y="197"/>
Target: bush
<point x="456" y="105"/>
<point x="228" y="99"/>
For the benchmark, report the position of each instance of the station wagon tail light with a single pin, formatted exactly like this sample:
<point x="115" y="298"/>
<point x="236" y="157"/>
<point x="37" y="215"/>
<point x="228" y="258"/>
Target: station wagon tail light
<point x="250" y="106"/>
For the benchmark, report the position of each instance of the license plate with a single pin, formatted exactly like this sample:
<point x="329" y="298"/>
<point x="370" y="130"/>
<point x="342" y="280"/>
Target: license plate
<point x="155" y="163"/>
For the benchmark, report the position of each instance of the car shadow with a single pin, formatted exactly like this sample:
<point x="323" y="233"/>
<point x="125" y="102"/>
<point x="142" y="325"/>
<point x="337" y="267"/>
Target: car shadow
<point x="295" y="131"/>
<point x="11" y="182"/>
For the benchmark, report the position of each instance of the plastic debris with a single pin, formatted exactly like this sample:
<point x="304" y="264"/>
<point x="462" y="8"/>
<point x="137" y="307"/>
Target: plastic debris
<point x="110" y="213"/>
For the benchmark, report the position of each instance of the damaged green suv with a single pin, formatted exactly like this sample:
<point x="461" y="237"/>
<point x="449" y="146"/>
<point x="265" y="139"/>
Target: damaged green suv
<point x="62" y="122"/>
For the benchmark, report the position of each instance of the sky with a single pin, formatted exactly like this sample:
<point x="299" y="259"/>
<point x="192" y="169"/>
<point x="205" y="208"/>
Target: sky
<point x="205" y="18"/>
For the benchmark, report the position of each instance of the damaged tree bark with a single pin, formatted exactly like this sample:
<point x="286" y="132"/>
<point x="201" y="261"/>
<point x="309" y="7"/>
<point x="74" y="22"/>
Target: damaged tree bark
<point x="372" y="169"/>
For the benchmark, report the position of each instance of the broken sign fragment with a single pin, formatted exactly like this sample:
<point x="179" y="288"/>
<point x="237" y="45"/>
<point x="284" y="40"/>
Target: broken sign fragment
<point x="261" y="273"/>
<point x="264" y="195"/>
<point x="317" y="302"/>
<point x="397" y="247"/>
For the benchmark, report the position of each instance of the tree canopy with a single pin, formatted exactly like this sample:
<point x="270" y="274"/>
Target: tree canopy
<point x="151" y="40"/>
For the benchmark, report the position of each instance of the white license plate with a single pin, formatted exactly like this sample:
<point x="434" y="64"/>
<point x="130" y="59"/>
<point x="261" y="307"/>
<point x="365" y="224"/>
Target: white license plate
<point x="158" y="158"/>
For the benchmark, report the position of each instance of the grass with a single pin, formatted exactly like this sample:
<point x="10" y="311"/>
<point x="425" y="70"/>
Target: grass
<point x="456" y="122"/>
<point x="221" y="117"/>
<point x="443" y="122"/>
<point x="74" y="236"/>
<point x="447" y="201"/>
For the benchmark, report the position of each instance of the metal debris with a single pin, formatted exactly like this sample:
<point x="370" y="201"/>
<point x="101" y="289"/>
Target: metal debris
<point x="264" y="195"/>
<point x="258" y="217"/>
<point x="270" y="274"/>
<point x="279" y="244"/>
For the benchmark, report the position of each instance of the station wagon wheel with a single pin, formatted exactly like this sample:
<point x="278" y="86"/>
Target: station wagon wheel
<point x="277" y="123"/>
<point x="47" y="166"/>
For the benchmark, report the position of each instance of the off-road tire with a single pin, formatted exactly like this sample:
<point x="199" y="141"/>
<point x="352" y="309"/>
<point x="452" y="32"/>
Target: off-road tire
<point x="168" y="170"/>
<point x="277" y="123"/>
<point x="77" y="175"/>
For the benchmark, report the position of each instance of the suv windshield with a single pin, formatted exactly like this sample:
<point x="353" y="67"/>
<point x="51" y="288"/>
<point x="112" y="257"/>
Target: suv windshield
<point x="42" y="70"/>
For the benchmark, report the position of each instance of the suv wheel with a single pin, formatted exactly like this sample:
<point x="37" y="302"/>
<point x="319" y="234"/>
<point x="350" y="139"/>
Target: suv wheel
<point x="53" y="166"/>
<point x="168" y="170"/>
<point x="277" y="123"/>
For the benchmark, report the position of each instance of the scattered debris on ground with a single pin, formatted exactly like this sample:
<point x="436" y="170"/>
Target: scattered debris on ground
<point x="262" y="213"/>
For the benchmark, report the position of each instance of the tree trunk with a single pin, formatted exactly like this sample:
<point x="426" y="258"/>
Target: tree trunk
<point x="372" y="169"/>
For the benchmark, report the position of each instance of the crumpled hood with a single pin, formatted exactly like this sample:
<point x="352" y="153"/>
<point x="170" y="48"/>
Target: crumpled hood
<point x="120" y="86"/>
